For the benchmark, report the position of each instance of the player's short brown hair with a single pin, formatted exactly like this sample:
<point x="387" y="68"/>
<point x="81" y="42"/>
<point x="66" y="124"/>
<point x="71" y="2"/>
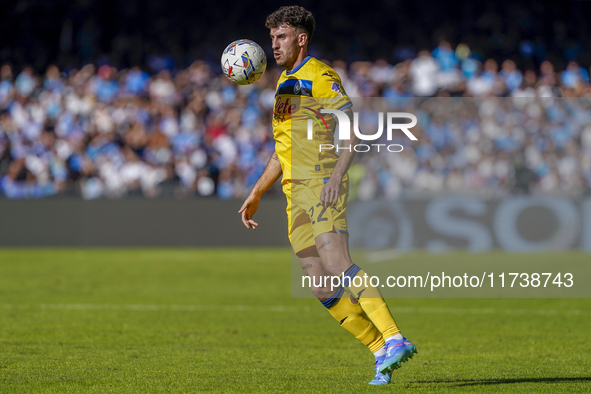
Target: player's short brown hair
<point x="295" y="16"/>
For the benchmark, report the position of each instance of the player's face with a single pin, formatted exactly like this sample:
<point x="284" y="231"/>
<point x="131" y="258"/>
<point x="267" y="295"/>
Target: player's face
<point x="284" y="41"/>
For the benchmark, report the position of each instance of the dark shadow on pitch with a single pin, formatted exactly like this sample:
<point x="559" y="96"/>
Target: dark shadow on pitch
<point x="487" y="382"/>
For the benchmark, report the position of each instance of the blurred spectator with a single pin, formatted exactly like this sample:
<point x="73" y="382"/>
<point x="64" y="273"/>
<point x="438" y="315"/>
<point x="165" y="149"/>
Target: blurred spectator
<point x="511" y="76"/>
<point x="423" y="71"/>
<point x="449" y="75"/>
<point x="25" y="82"/>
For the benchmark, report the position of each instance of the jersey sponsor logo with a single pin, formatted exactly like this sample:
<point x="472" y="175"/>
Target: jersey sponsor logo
<point x="284" y="107"/>
<point x="295" y="87"/>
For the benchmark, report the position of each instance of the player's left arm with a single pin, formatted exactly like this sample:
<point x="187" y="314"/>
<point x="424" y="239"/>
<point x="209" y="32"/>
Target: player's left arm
<point x="330" y="191"/>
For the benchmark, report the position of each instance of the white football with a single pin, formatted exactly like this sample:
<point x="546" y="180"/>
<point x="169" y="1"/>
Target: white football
<point x="244" y="62"/>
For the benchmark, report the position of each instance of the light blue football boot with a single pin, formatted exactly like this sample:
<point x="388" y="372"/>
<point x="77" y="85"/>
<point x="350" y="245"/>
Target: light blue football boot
<point x="380" y="378"/>
<point x="397" y="352"/>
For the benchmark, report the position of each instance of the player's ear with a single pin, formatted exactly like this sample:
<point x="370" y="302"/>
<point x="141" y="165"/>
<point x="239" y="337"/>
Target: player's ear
<point x="302" y="39"/>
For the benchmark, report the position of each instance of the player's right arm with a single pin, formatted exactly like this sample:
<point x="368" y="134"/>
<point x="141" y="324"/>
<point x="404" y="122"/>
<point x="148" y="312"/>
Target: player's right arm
<point x="270" y="175"/>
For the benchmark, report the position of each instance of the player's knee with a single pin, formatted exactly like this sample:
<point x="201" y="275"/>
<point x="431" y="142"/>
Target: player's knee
<point x="308" y="252"/>
<point x="322" y="293"/>
<point x="335" y="266"/>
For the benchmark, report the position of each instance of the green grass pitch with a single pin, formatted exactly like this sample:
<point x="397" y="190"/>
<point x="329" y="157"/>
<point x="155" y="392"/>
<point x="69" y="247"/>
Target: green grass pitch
<point x="192" y="320"/>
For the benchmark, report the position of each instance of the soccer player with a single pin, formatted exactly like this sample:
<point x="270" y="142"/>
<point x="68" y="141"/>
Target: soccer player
<point x="317" y="188"/>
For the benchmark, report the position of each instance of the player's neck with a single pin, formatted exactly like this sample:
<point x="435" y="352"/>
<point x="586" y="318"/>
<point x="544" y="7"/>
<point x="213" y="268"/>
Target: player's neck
<point x="301" y="57"/>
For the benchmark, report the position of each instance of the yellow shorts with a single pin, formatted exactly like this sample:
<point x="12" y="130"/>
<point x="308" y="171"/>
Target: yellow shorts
<point x="307" y="218"/>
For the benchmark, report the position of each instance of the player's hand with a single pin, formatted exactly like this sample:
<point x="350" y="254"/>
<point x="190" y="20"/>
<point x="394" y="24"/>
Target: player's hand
<point x="250" y="206"/>
<point x="330" y="191"/>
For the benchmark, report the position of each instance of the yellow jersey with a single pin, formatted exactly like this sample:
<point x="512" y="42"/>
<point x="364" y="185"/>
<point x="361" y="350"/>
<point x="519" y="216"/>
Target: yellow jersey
<point x="301" y="93"/>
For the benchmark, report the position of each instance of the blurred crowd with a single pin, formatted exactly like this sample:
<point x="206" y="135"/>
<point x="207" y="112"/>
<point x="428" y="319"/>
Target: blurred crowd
<point x="490" y="146"/>
<point x="103" y="132"/>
